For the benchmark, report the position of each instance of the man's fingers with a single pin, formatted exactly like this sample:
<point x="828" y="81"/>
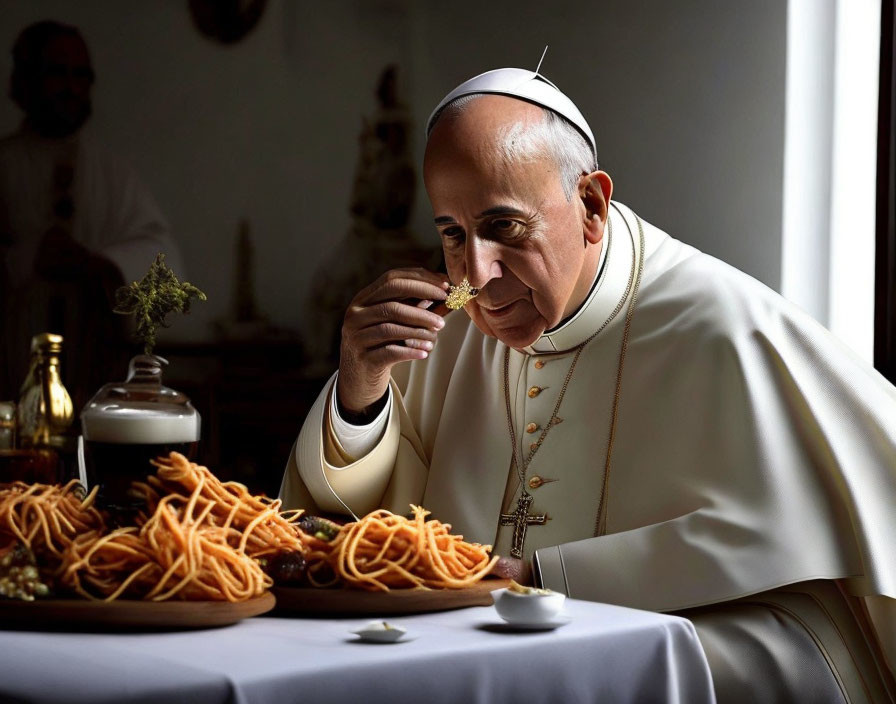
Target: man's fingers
<point x="416" y="273"/>
<point x="420" y="344"/>
<point x="378" y="335"/>
<point x="393" y="354"/>
<point x="395" y="312"/>
<point x="391" y="288"/>
<point x="387" y="323"/>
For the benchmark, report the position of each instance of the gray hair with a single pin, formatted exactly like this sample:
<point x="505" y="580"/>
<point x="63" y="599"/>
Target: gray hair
<point x="554" y="136"/>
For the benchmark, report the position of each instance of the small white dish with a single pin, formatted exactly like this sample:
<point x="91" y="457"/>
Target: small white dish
<point x="528" y="610"/>
<point x="381" y="632"/>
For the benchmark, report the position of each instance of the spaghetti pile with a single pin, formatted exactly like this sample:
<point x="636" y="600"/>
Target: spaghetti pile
<point x="200" y="539"/>
<point x="46" y="518"/>
<point x="260" y="529"/>
<point x="384" y="551"/>
<point x="176" y="553"/>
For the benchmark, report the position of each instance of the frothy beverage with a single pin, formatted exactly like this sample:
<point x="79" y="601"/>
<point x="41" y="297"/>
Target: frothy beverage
<point x="119" y="447"/>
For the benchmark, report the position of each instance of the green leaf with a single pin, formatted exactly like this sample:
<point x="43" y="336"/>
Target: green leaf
<point x="152" y="298"/>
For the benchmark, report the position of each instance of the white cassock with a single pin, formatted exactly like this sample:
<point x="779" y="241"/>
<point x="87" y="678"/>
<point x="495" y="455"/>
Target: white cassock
<point x="752" y="451"/>
<point x="114" y="216"/>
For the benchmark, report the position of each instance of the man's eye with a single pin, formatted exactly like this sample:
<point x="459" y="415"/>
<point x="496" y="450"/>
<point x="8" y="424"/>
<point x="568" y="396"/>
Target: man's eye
<point x="453" y="233"/>
<point x="505" y="228"/>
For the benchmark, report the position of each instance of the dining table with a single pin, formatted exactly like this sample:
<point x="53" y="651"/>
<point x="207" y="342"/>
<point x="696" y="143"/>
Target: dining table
<point x="597" y="653"/>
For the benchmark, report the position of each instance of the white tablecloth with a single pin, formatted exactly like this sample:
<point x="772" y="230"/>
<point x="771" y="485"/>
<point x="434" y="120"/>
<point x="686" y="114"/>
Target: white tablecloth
<point x="605" y="654"/>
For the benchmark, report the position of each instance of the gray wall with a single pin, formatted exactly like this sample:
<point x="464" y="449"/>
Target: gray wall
<point x="686" y="99"/>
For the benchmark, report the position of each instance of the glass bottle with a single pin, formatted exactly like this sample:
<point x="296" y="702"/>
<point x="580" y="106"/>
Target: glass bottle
<point x="127" y="424"/>
<point x="45" y="410"/>
<point x="7" y="425"/>
<point x="44" y="413"/>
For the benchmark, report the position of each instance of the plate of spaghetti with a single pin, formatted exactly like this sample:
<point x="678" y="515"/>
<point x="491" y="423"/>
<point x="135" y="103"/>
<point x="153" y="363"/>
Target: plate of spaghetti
<point x="202" y="552"/>
<point x="193" y="556"/>
<point x="385" y="563"/>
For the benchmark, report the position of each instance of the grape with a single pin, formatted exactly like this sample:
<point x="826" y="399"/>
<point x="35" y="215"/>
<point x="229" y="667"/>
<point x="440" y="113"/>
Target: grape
<point x="287" y="568"/>
<point x="320" y="528"/>
<point x="19" y="577"/>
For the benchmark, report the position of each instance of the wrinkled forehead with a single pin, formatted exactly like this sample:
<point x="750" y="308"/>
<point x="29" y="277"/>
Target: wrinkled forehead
<point x="481" y="129"/>
<point x="480" y="159"/>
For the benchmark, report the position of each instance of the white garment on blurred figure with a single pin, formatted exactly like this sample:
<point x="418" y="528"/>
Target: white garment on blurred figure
<point x="115" y="215"/>
<point x="110" y="212"/>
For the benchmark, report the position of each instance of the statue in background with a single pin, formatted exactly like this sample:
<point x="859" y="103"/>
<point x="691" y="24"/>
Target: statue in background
<point x="383" y="193"/>
<point x="381" y="204"/>
<point x="245" y="321"/>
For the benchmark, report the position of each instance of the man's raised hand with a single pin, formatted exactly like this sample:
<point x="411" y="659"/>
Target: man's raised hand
<point x="386" y="323"/>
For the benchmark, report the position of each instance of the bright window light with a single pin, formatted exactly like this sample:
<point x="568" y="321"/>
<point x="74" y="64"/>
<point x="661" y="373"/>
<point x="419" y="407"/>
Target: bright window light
<point x="854" y="173"/>
<point x="830" y="153"/>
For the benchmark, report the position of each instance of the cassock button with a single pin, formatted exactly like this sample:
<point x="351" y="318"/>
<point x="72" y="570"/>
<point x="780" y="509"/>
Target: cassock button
<point x="535" y="482"/>
<point x="533" y="447"/>
<point x="539" y="364"/>
<point x="532" y="427"/>
<point x="534" y="391"/>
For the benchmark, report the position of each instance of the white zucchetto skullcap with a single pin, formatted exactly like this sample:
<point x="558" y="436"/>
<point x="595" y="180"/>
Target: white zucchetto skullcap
<point x="523" y="85"/>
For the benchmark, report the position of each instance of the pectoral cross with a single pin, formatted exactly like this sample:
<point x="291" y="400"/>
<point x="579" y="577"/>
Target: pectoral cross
<point x="521" y="520"/>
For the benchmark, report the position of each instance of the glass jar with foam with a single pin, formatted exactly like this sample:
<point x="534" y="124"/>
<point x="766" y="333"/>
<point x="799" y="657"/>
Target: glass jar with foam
<point x="128" y="424"/>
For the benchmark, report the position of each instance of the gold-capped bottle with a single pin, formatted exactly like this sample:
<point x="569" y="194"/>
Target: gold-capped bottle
<point x="44" y="413"/>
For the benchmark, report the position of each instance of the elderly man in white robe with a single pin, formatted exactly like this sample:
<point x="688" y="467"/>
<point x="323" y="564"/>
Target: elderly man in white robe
<point x="627" y="419"/>
<point x="76" y="222"/>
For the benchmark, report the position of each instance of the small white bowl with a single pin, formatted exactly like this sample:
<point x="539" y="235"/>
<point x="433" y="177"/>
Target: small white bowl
<point x="381" y="632"/>
<point x="528" y="609"/>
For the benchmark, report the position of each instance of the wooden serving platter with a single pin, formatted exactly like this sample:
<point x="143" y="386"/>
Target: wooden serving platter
<point x="357" y="602"/>
<point x="126" y="614"/>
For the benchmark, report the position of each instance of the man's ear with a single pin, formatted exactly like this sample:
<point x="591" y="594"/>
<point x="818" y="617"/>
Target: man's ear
<point x="595" y="190"/>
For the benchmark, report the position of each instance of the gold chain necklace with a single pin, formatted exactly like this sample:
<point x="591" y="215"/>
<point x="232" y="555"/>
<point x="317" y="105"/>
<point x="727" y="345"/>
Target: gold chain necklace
<point x="521" y="519"/>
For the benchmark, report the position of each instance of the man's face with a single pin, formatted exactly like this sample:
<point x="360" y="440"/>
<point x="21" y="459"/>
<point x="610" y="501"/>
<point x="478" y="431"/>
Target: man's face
<point x="507" y="227"/>
<point x="57" y="101"/>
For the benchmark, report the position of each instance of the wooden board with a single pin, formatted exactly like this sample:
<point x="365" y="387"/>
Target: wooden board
<point x="355" y="602"/>
<point x="130" y="615"/>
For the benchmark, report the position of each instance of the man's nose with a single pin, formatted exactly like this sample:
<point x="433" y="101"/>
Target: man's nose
<point x="482" y="261"/>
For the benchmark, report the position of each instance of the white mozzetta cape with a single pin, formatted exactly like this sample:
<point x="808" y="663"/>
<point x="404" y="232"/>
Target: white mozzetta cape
<point x="752" y="449"/>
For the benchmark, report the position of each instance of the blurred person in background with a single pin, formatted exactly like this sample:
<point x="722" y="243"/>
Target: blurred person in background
<point x="75" y="221"/>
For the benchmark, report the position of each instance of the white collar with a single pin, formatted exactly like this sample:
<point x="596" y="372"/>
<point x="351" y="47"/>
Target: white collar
<point x="607" y="295"/>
